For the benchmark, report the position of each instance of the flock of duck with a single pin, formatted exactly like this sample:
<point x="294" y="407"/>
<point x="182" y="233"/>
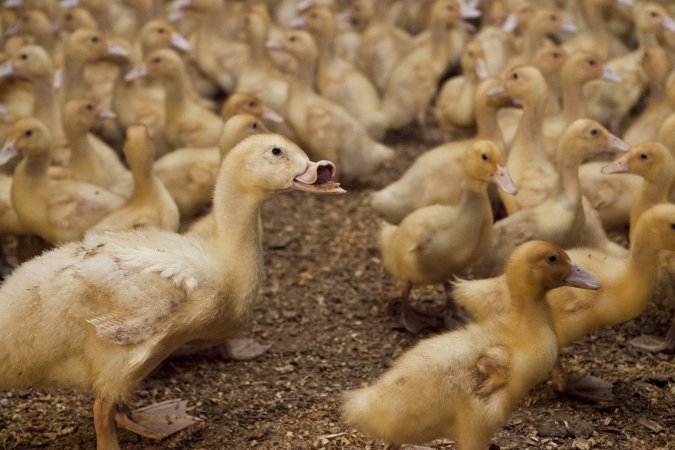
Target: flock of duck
<point x="115" y="140"/>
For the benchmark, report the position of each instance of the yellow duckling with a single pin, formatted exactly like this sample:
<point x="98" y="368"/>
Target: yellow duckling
<point x="560" y="219"/>
<point x="436" y="242"/>
<point x="57" y="210"/>
<point x="595" y="37"/>
<point x="324" y="127"/>
<point x="189" y="174"/>
<point x="248" y="103"/>
<point x="454" y="104"/>
<point x="463" y="385"/>
<point x="151" y="205"/>
<point x="188" y="124"/>
<point x="425" y="183"/>
<point x="134" y="297"/>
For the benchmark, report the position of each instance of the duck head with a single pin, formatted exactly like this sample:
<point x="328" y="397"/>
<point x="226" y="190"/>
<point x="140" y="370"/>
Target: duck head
<point x="585" y="66"/>
<point x="656" y="227"/>
<point x="75" y="18"/>
<point x="32" y="22"/>
<point x="524" y="83"/>
<point x="586" y="137"/>
<point x="652" y="161"/>
<point x="473" y="60"/>
<point x="87" y="45"/>
<point x="28" y="138"/>
<point x="652" y="18"/>
<point x="83" y="113"/>
<point x="271" y="162"/>
<point x="244" y="102"/>
<point x="542" y="265"/>
<point x="484" y="161"/>
<point x="163" y="63"/>
<point x="237" y="128"/>
<point x="318" y="20"/>
<point x="31" y="62"/>
<point x="550" y="59"/>
<point x="159" y="33"/>
<point x="298" y="44"/>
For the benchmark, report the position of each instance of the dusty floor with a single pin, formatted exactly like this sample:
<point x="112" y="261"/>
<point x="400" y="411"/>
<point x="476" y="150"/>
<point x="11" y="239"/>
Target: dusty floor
<point x="328" y="308"/>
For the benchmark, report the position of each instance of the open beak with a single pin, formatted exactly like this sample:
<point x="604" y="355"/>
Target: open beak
<point x="482" y="71"/>
<point x="318" y="179"/>
<point x="614" y="144"/>
<point x="618" y="166"/>
<point x="6" y="69"/>
<point x="8" y="152"/>
<point x="271" y="115"/>
<point x="137" y="72"/>
<point x="502" y="178"/>
<point x="610" y="75"/>
<point x="106" y="114"/>
<point x="179" y="42"/>
<point x="579" y="278"/>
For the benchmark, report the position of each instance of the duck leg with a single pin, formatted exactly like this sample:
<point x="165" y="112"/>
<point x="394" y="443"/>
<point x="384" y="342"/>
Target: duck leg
<point x="583" y="386"/>
<point x="242" y="349"/>
<point x="157" y="421"/>
<point x="104" y="424"/>
<point x="653" y="344"/>
<point x="452" y="317"/>
<point x="414" y="320"/>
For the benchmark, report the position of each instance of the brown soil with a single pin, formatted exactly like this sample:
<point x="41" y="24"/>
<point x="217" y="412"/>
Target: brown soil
<point x="329" y="309"/>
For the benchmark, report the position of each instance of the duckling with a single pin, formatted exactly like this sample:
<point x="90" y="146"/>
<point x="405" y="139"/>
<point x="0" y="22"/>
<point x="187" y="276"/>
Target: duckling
<point x="655" y="164"/>
<point x="435" y="242"/>
<point x="595" y="37"/>
<point x="85" y="163"/>
<point x="414" y="80"/>
<point x="56" y="210"/>
<point x="187" y="123"/>
<point x="454" y="104"/>
<point x="560" y="219"/>
<point x="463" y="385"/>
<point x="151" y="204"/>
<point x="338" y="80"/>
<point x="162" y="290"/>
<point x="425" y="183"/>
<point x="189" y="174"/>
<point x="324" y="127"/>
<point x="37" y="25"/>
<point x="248" y="103"/>
<point x="382" y="44"/>
<point x="646" y="126"/>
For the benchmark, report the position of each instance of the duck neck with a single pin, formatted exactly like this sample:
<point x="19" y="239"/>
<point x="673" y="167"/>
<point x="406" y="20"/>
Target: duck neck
<point x="73" y="83"/>
<point x="532" y="42"/>
<point x="642" y="274"/>
<point x="572" y="98"/>
<point x="145" y="183"/>
<point x="304" y="78"/>
<point x="593" y="14"/>
<point x="46" y="109"/>
<point x="439" y="40"/>
<point x="81" y="151"/>
<point x="36" y="166"/>
<point x="526" y="296"/>
<point x="326" y="42"/>
<point x="177" y="90"/>
<point x="645" y="38"/>
<point x="487" y="126"/>
<point x="474" y="194"/>
<point x="651" y="193"/>
<point x="528" y="134"/>
<point x="568" y="187"/>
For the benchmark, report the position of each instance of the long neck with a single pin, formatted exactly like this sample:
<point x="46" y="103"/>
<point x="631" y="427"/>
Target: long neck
<point x="568" y="186"/>
<point x="474" y="194"/>
<point x="528" y="135"/>
<point x="642" y="275"/>
<point x="304" y="77"/>
<point x="439" y="40"/>
<point x="36" y="166"/>
<point x="177" y="93"/>
<point x="572" y="98"/>
<point x="487" y="125"/>
<point x="652" y="192"/>
<point x="594" y="20"/>
<point x="326" y="41"/>
<point x="145" y="183"/>
<point x="73" y="81"/>
<point x="46" y="108"/>
<point x="82" y="152"/>
<point x="645" y="38"/>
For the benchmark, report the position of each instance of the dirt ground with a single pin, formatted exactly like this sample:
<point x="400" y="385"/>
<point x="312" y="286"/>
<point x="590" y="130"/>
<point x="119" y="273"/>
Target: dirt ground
<point x="329" y="311"/>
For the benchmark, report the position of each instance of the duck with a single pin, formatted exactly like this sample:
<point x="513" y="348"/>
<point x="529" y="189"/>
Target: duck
<point x="189" y="174"/>
<point x="659" y="106"/>
<point x="435" y="242"/>
<point x="337" y="79"/>
<point x="560" y="219"/>
<point x="85" y="163"/>
<point x="425" y="182"/>
<point x="57" y="210"/>
<point x="323" y="127"/>
<point x="595" y="37"/>
<point x="37" y="25"/>
<point x="531" y="169"/>
<point x="151" y="205"/>
<point x="187" y="123"/>
<point x="382" y="44"/>
<point x="454" y="103"/>
<point x="249" y="103"/>
<point x="463" y="385"/>
<point x="413" y="81"/>
<point x="188" y="282"/>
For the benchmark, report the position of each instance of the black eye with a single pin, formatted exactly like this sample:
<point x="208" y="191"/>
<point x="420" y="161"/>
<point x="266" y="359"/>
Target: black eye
<point x="672" y="226"/>
<point x="251" y="104"/>
<point x="591" y="62"/>
<point x="595" y="132"/>
<point x="160" y="30"/>
<point x="89" y="107"/>
<point x="514" y="76"/>
<point x="451" y="8"/>
<point x="484" y="157"/>
<point x="23" y="56"/>
<point x="552" y="259"/>
<point x="157" y="60"/>
<point x="292" y="38"/>
<point x="28" y="133"/>
<point x="69" y="17"/>
<point x="94" y="40"/>
<point x="313" y="15"/>
<point x="276" y="151"/>
<point x="556" y="55"/>
<point x="654" y="14"/>
<point x="644" y="156"/>
<point x="551" y="17"/>
<point x="255" y="125"/>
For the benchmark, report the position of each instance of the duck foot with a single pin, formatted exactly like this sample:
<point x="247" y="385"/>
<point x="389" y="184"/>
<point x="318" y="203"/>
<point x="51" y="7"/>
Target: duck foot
<point x="242" y="349"/>
<point x="415" y="321"/>
<point x="157" y="421"/>
<point x="654" y="344"/>
<point x="589" y="388"/>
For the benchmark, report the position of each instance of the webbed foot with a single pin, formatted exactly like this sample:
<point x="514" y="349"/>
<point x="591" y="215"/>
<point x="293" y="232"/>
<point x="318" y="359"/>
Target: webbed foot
<point x="242" y="349"/>
<point x="589" y="388"/>
<point x="157" y="421"/>
<point x="654" y="344"/>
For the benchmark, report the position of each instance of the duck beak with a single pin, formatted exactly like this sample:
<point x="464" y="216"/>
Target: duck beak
<point x="8" y="152"/>
<point x="274" y="44"/>
<point x="13" y="30"/>
<point x="114" y="49"/>
<point x="13" y="4"/>
<point x="618" y="166"/>
<point x="6" y="69"/>
<point x="139" y="71"/>
<point x="469" y="12"/>
<point x="497" y="90"/>
<point x="610" y="75"/>
<point x="271" y="115"/>
<point x="502" y="178"/>
<point x="179" y="42"/>
<point x="668" y="23"/>
<point x="302" y="5"/>
<point x="68" y="4"/>
<point x="175" y="16"/>
<point x="299" y="22"/>
<point x="106" y="114"/>
<point x="344" y="16"/>
<point x="579" y="278"/>
<point x="482" y="70"/>
<point x="567" y="26"/>
<point x="180" y="4"/>
<point x="614" y="144"/>
<point x="3" y="110"/>
<point x="626" y="2"/>
<point x="318" y="179"/>
<point x="511" y="23"/>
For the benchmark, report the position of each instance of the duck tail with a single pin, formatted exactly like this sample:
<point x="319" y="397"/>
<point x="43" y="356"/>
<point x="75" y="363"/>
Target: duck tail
<point x="357" y="410"/>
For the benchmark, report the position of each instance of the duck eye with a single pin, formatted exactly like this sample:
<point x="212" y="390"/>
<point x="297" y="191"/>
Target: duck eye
<point x="276" y="151"/>
<point x="157" y="60"/>
<point x="24" y="56"/>
<point x="594" y="132"/>
<point x="89" y="107"/>
<point x="672" y="226"/>
<point x="451" y="7"/>
<point x="160" y="30"/>
<point x="94" y="40"/>
<point x="654" y="14"/>
<point x="28" y="133"/>
<point x="644" y="156"/>
<point x="251" y="104"/>
<point x="484" y="157"/>
<point x="551" y="17"/>
<point x="69" y="17"/>
<point x="292" y="38"/>
<point x="556" y="55"/>
<point x="255" y="126"/>
<point x="552" y="259"/>
<point x="514" y="76"/>
<point x="591" y="62"/>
